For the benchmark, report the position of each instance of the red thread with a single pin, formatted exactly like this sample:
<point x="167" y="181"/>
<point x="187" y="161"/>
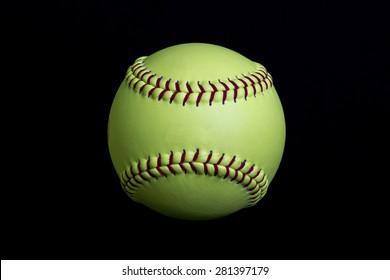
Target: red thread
<point x="211" y="98"/>
<point x="250" y="169"/>
<point x="196" y="155"/>
<point x="242" y="179"/>
<point x="177" y="85"/>
<point x="201" y="88"/>
<point x="160" y="171"/>
<point x="231" y="162"/>
<point x="158" y="82"/>
<point x="130" y="180"/>
<point x="198" y="99"/>
<point x="257" y="174"/>
<point x="171" y="158"/>
<point x="150" y="77"/>
<point x="171" y="169"/>
<point x="182" y="167"/>
<point x="193" y="167"/>
<point x="160" y="96"/>
<point x="151" y="92"/>
<point x="134" y="86"/>
<point x="257" y="78"/>
<point x="250" y="181"/>
<point x="245" y="87"/>
<point x="224" y="92"/>
<point x="139" y="71"/>
<point x="221" y="158"/>
<point x="142" y="88"/>
<point x="200" y="94"/>
<point x="173" y="96"/>
<point x="227" y="172"/>
<point x="207" y="161"/>
<point x="242" y="165"/>
<point x="186" y="98"/>
<point x="235" y="175"/>
<point x="215" y="169"/>
<point x="235" y="90"/>
<point x="159" y="164"/>
<point x="212" y="93"/>
<point x="148" y="168"/>
<point x="209" y="157"/>
<point x="205" y="168"/>
<point x="167" y="84"/>
<point x="183" y="156"/>
<point x="139" y="65"/>
<point x="252" y="83"/>
<point x="189" y="87"/>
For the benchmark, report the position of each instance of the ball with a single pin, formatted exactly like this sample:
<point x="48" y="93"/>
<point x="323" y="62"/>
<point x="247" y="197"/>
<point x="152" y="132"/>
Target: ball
<point x="196" y="131"/>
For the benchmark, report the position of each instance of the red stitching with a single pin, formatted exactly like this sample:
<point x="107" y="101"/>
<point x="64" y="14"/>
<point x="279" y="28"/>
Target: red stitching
<point x="231" y="162"/>
<point x="170" y="164"/>
<point x="135" y="84"/>
<point x="159" y="165"/>
<point x="140" y="72"/>
<point x="151" y="92"/>
<point x="130" y="181"/>
<point x="215" y="169"/>
<point x="242" y="165"/>
<point x="139" y="65"/>
<point x="220" y="160"/>
<point x="227" y="172"/>
<point x="177" y="86"/>
<point x="186" y="98"/>
<point x="142" y="88"/>
<point x="245" y="87"/>
<point x="212" y="93"/>
<point x="235" y="90"/>
<point x="148" y="169"/>
<point x="252" y="84"/>
<point x="150" y="77"/>
<point x="158" y="82"/>
<point x="200" y="94"/>
<point x="242" y="179"/>
<point x="250" y="170"/>
<point x="206" y="162"/>
<point x="235" y="175"/>
<point x="224" y="92"/>
<point x="250" y="181"/>
<point x="161" y="94"/>
<point x="193" y="167"/>
<point x="196" y="155"/>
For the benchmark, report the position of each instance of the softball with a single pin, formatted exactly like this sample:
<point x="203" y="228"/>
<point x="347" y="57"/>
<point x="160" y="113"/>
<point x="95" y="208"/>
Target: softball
<point x="196" y="131"/>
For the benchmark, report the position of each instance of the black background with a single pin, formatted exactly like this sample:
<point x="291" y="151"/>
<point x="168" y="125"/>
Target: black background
<point x="64" y="61"/>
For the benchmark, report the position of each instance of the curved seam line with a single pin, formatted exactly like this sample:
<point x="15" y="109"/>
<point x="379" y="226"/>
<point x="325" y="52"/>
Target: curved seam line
<point x="139" y="73"/>
<point x="136" y="178"/>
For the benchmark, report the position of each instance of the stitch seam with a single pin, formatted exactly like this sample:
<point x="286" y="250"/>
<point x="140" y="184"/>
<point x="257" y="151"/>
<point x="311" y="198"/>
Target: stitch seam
<point x="250" y="177"/>
<point x="144" y="82"/>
